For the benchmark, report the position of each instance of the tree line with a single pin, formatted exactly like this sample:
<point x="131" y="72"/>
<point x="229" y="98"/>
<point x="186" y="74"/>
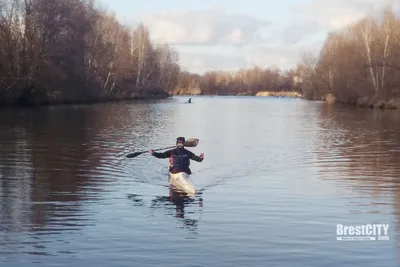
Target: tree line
<point x="242" y="82"/>
<point x="70" y="51"/>
<point x="359" y="64"/>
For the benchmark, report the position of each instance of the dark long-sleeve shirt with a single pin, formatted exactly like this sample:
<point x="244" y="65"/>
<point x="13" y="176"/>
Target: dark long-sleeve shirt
<point x="169" y="153"/>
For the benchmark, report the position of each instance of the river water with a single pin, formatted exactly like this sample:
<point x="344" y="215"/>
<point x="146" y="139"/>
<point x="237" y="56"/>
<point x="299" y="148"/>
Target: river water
<point x="278" y="176"/>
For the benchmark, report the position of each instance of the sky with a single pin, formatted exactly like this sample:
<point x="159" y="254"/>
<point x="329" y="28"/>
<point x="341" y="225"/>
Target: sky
<point x="228" y="35"/>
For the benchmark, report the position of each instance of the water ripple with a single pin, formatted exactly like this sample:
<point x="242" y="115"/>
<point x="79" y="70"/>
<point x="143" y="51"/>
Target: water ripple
<point x="270" y="186"/>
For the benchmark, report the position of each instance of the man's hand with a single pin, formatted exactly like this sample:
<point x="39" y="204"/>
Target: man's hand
<point x="201" y="156"/>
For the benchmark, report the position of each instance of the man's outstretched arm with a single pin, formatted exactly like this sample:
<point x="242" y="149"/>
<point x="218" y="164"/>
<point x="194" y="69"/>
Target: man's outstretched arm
<point x="162" y="155"/>
<point x="196" y="158"/>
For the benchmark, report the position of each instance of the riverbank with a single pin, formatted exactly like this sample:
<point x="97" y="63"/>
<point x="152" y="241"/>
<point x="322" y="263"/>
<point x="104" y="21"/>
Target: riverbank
<point x="91" y="59"/>
<point x="186" y="91"/>
<point x="149" y="94"/>
<point x="291" y="94"/>
<point x="364" y="102"/>
<point x="198" y="92"/>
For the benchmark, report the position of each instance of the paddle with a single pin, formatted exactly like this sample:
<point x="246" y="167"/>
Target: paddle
<point x="192" y="142"/>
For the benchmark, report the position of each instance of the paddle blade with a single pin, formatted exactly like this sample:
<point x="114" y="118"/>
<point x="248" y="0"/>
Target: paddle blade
<point x="133" y="155"/>
<point x="192" y="142"/>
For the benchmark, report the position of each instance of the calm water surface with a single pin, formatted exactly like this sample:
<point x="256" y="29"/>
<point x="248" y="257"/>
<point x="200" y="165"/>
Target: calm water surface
<point x="278" y="176"/>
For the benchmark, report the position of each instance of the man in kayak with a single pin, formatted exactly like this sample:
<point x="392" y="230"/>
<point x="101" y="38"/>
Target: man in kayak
<point x="179" y="157"/>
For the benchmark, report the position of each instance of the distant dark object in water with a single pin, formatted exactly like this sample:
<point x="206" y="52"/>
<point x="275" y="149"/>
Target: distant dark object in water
<point x="189" y="101"/>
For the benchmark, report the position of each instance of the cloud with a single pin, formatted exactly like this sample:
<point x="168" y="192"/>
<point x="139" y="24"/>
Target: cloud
<point x="203" y="62"/>
<point x="242" y="35"/>
<point x="317" y="17"/>
<point x="283" y="57"/>
<point x="297" y="31"/>
<point x="205" y="27"/>
<point x="336" y="14"/>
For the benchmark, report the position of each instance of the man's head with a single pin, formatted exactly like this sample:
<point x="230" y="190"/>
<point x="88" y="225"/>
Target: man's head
<point x="180" y="142"/>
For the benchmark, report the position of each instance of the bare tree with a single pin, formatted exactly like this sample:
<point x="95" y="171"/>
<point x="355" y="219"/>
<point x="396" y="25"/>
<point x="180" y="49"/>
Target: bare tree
<point x="59" y="51"/>
<point x="359" y="63"/>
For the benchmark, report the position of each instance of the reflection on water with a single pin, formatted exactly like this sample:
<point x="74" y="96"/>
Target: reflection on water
<point x="370" y="144"/>
<point x="174" y="205"/>
<point x="362" y="153"/>
<point x="273" y="188"/>
<point x="55" y="161"/>
<point x="361" y="150"/>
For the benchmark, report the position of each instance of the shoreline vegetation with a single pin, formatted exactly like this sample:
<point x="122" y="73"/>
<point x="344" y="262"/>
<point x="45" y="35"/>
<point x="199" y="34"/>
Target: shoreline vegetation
<point x="74" y="51"/>
<point x="357" y="65"/>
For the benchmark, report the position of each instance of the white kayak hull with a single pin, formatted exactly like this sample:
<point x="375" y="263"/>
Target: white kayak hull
<point x="181" y="182"/>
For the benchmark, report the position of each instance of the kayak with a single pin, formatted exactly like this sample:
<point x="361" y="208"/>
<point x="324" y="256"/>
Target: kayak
<point x="180" y="181"/>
